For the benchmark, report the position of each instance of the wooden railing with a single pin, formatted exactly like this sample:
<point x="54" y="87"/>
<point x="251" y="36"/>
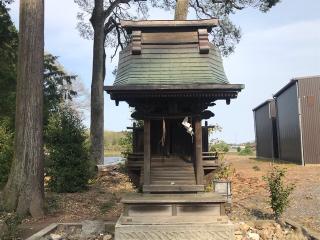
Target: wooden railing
<point x="210" y="156"/>
<point x="210" y="159"/>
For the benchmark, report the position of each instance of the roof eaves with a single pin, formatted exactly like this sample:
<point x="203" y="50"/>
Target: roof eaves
<point x="173" y="87"/>
<point x="262" y="104"/>
<point x="292" y="82"/>
<point x="306" y="77"/>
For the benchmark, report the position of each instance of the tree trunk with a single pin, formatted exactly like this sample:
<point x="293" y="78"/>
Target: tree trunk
<point x="24" y="192"/>
<point x="181" y="12"/>
<point x="98" y="75"/>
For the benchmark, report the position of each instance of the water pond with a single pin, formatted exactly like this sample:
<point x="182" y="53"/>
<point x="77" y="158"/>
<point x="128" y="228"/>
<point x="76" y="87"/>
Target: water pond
<point x="113" y="160"/>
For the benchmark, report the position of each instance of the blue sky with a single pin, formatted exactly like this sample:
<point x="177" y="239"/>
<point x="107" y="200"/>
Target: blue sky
<point x="275" y="47"/>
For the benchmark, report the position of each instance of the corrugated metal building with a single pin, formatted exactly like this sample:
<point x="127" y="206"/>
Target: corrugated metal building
<point x="266" y="129"/>
<point x="298" y="120"/>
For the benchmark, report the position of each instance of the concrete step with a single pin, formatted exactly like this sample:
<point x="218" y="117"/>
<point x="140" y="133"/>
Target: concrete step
<point x="173" y="188"/>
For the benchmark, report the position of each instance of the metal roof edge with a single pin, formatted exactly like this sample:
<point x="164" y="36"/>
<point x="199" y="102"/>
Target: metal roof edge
<point x="262" y="104"/>
<point x="292" y="82"/>
<point x="306" y="77"/>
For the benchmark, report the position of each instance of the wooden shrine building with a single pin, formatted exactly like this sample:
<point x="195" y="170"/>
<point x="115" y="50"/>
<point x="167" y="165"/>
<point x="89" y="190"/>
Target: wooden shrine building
<point x="170" y="74"/>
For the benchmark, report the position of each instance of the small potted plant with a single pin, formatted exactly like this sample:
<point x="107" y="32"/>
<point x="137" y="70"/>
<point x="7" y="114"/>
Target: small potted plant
<point x="222" y="181"/>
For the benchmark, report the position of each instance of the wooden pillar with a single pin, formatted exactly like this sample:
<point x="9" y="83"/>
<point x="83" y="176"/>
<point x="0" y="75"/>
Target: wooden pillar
<point x="134" y="138"/>
<point x="147" y="152"/>
<point x="198" y="151"/>
<point x="205" y="137"/>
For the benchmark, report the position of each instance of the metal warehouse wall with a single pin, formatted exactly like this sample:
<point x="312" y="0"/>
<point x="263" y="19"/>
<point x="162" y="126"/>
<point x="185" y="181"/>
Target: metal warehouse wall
<point x="309" y="93"/>
<point x="288" y="125"/>
<point x="264" y="130"/>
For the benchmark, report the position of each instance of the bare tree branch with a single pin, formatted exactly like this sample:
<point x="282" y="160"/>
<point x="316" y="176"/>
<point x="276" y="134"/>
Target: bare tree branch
<point x="203" y="10"/>
<point x="113" y="5"/>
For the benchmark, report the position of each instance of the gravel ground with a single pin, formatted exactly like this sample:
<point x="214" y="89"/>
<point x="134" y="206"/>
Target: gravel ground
<point x="250" y="195"/>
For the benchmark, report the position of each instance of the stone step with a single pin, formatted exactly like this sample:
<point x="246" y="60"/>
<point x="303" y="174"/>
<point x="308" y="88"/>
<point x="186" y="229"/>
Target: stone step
<point x="205" y="197"/>
<point x="169" y="173"/>
<point x="142" y="220"/>
<point x="173" y="188"/>
<point x="173" y="177"/>
<point x="173" y="183"/>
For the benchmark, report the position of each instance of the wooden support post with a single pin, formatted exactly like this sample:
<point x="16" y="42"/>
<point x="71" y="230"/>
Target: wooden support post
<point x="147" y="152"/>
<point x="205" y="137"/>
<point x="198" y="151"/>
<point x="134" y="138"/>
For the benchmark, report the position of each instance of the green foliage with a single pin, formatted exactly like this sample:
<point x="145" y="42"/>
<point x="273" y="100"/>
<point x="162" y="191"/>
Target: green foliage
<point x="126" y="144"/>
<point x="112" y="142"/>
<point x="220" y="146"/>
<point x="68" y="164"/>
<point x="246" y="151"/>
<point x="279" y="192"/>
<point x="57" y="85"/>
<point x="224" y="171"/>
<point x="238" y="149"/>
<point x="225" y="36"/>
<point x="8" y="59"/>
<point x="12" y="221"/>
<point x="6" y="152"/>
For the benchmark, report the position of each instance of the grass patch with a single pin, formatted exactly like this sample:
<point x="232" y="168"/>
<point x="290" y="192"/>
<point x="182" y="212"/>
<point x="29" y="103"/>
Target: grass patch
<point x="110" y="153"/>
<point x="106" y="207"/>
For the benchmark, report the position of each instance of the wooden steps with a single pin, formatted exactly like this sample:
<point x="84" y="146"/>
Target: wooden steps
<point x="172" y="174"/>
<point x="171" y="171"/>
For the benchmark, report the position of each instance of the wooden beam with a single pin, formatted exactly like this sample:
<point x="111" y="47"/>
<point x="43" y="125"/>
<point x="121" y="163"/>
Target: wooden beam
<point x="205" y="23"/>
<point x="136" y="43"/>
<point x="198" y="151"/>
<point x="203" y="41"/>
<point x="147" y="152"/>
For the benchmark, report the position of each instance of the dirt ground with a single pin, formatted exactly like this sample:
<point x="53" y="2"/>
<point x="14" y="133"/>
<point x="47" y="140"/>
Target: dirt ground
<point x="99" y="202"/>
<point x="250" y="197"/>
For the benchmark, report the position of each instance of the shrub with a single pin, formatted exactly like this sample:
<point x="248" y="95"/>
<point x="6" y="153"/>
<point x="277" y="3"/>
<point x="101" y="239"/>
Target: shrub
<point x="12" y="222"/>
<point x="220" y="146"/>
<point x="279" y="192"/>
<point x="224" y="171"/>
<point x="126" y="144"/>
<point x="67" y="160"/>
<point x="246" y="151"/>
<point x="6" y="152"/>
<point x="238" y="149"/>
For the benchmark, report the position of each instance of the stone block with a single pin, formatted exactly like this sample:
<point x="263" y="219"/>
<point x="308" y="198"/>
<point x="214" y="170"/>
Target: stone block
<point x="194" y="231"/>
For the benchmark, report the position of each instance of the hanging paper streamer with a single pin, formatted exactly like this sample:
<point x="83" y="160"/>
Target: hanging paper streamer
<point x="163" y="138"/>
<point x="187" y="126"/>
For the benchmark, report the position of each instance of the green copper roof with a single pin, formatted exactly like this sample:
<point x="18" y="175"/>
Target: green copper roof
<point x="170" y="64"/>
